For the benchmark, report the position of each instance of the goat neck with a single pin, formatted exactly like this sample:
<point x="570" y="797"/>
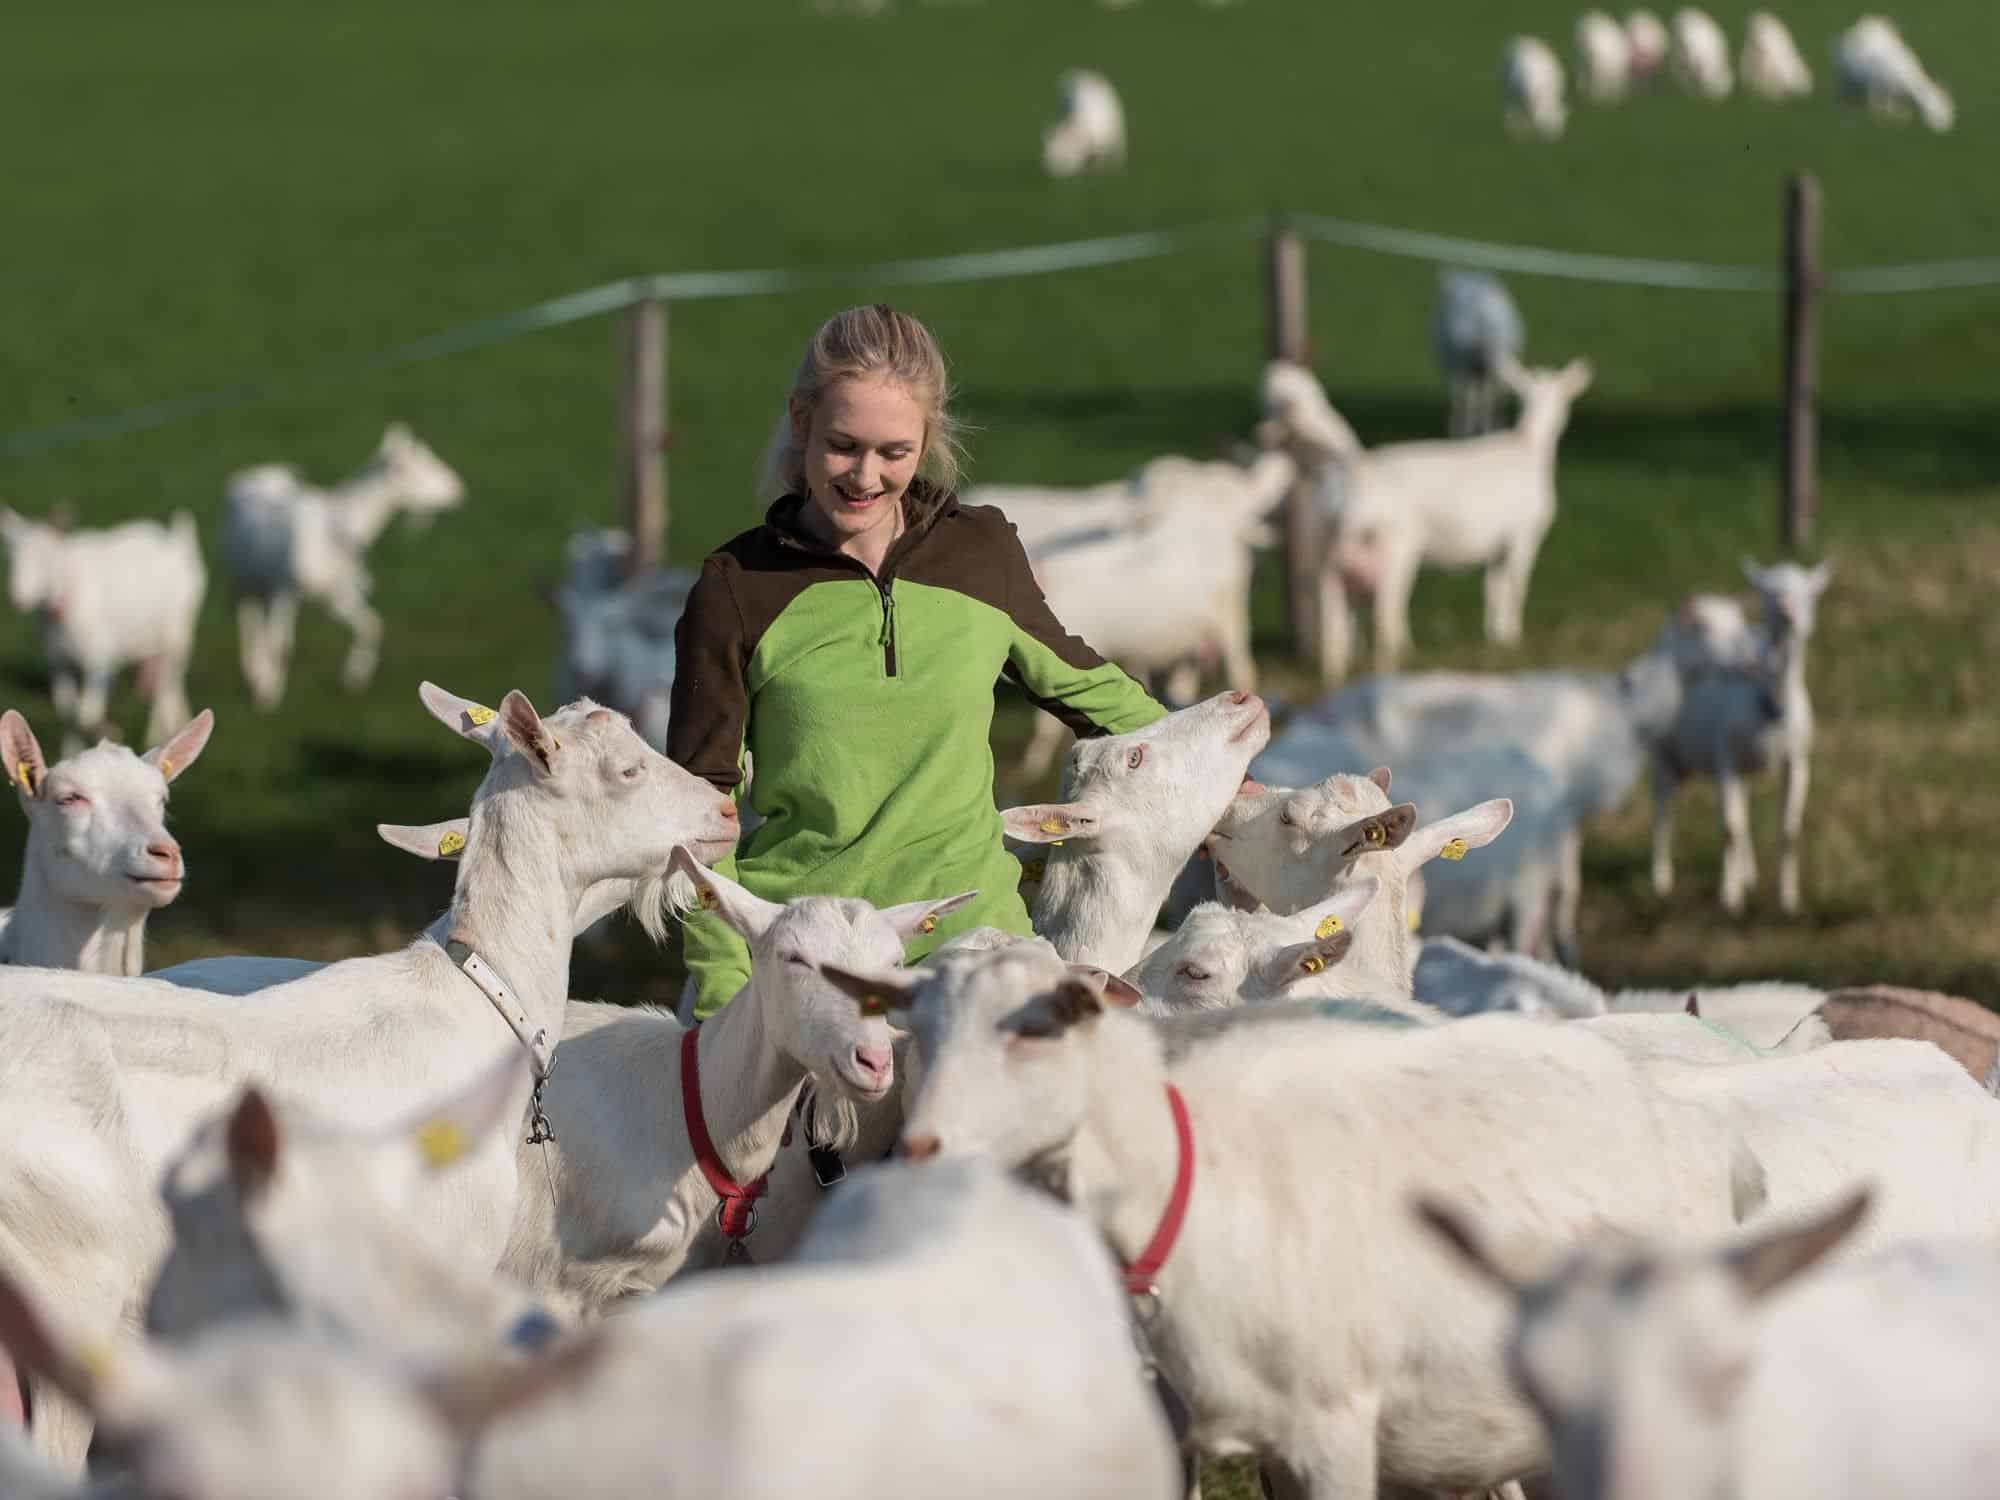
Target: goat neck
<point x="365" y="502"/>
<point x="50" y="931"/>
<point x="1123" y="1159"/>
<point x="1096" y="907"/>
<point x="748" y="1084"/>
<point x="515" y="905"/>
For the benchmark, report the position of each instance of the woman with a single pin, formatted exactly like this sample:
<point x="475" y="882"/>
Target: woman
<point x="850" y="644"/>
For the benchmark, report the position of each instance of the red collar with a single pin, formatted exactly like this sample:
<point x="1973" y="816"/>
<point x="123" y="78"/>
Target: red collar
<point x="1140" y="1273"/>
<point x="735" y="1215"/>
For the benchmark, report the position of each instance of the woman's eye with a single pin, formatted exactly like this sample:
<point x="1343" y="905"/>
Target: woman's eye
<point x="1135" y="757"/>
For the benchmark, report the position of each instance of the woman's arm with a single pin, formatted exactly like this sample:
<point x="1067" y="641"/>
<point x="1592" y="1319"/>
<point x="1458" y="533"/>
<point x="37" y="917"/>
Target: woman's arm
<point x="707" y="722"/>
<point x="1060" y="673"/>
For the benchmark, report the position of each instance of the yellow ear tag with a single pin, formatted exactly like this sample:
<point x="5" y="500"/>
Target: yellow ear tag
<point x="929" y="924"/>
<point x="441" y="1142"/>
<point x="1313" y="963"/>
<point x="1054" y="825"/>
<point x="99" y="1360"/>
<point x="1328" y="926"/>
<point x="166" y="765"/>
<point x="479" y="714"/>
<point x="25" y="774"/>
<point x="1032" y="869"/>
<point x="1455" y="849"/>
<point x="450" y="844"/>
<point x="1410" y="919"/>
<point x="708" y="899"/>
<point x="1376" y="834"/>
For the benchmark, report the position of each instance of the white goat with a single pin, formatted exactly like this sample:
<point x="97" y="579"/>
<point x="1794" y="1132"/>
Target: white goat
<point x="1476" y="329"/>
<point x="1309" y="1136"/>
<point x="1734" y="723"/>
<point x="106" y="600"/>
<point x="569" y="801"/>
<point x="1762" y="1012"/>
<point x="1531" y="88"/>
<point x="983" y="1321"/>
<point x="1875" y="67"/>
<point x="263" y="1409"/>
<point x="1091" y="132"/>
<point x="1701" y="54"/>
<point x="1723" y="1371"/>
<point x="1456" y="503"/>
<point x="99" y="856"/>
<point x="1182" y="592"/>
<point x="284" y="539"/>
<point x="1220" y="958"/>
<point x="1288" y="849"/>
<point x="1463" y="981"/>
<point x="1605" y="54"/>
<point x="1649" y="43"/>
<point x="1139" y="806"/>
<point x="1770" y="63"/>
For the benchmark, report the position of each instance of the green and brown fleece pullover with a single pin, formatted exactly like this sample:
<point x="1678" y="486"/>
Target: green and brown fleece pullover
<point x="866" y="702"/>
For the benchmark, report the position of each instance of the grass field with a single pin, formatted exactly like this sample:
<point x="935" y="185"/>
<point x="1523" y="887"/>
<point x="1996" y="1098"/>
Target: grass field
<point x="205" y="194"/>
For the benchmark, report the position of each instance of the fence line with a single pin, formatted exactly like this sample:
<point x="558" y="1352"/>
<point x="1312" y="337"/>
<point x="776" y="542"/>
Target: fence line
<point x="1028" y="260"/>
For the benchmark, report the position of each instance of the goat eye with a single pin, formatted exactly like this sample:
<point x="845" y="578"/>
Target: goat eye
<point x="1135" y="758"/>
<point x="796" y="958"/>
<point x="632" y="772"/>
<point x="72" y="799"/>
<point x="1194" y="973"/>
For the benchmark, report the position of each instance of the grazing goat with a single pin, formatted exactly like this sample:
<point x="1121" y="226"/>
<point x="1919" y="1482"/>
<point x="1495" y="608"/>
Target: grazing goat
<point x="1770" y="63"/>
<point x="1701" y="54"/>
<point x="1531" y="89"/>
<point x="1732" y="723"/>
<point x="106" y="600"/>
<point x="1724" y="1370"/>
<point x="1475" y="331"/>
<point x="1091" y="132"/>
<point x="1605" y="53"/>
<point x="1649" y="42"/>
<point x="284" y="539"/>
<point x="135" y="1064"/>
<point x="1876" y="68"/>
<point x="99" y="856"/>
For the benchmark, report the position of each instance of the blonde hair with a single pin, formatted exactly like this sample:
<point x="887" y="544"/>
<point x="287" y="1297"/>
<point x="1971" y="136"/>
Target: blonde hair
<point x="871" y="340"/>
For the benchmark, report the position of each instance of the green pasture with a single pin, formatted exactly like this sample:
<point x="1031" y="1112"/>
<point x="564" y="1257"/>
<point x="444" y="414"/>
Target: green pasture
<point x="205" y="195"/>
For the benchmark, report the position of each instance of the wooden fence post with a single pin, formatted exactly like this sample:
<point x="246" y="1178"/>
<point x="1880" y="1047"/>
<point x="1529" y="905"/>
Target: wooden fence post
<point x="1802" y="283"/>
<point x="645" y="429"/>
<point x="1285" y="288"/>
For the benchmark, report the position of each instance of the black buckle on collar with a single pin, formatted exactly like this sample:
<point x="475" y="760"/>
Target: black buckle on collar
<point x="828" y="1168"/>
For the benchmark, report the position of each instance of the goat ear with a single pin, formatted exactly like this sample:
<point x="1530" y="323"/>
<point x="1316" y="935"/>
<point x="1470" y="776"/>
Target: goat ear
<point x="1753" y="572"/>
<point x="184" y="748"/>
<point x="525" y="731"/>
<point x="1049" y="822"/>
<point x="1693" y="1006"/>
<point x="1380" y="776"/>
<point x="1071" y="1002"/>
<point x="254" y="1142"/>
<point x="463" y="716"/>
<point x="445" y="840"/>
<point x="915" y="918"/>
<point x="1297" y="961"/>
<point x="1577" y="376"/>
<point x="1382" y="830"/>
<point x="1450" y="837"/>
<point x="1820" y="576"/>
<point x="23" y="754"/>
<point x="1767" y="1263"/>
<point x="1115" y="989"/>
<point x="875" y="993"/>
<point x="468" y="1396"/>
<point x="750" y="916"/>
<point x="452" y="1129"/>
<point x="1455" y="1232"/>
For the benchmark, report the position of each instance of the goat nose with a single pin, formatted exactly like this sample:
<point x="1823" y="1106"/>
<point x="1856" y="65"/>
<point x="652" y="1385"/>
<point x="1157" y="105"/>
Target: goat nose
<point x="919" y="1147"/>
<point x="1238" y="697"/>
<point x="729" y="812"/>
<point x="164" y="849"/>
<point x="877" y="1061"/>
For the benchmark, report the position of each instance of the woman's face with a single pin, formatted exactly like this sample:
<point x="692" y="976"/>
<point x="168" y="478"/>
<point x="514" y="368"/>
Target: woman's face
<point x="862" y="445"/>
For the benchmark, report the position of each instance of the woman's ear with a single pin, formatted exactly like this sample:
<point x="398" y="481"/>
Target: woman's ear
<point x="801" y="415"/>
